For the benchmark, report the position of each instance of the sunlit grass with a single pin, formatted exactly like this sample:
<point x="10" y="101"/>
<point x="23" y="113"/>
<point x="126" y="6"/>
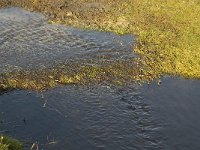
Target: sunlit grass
<point x="169" y="33"/>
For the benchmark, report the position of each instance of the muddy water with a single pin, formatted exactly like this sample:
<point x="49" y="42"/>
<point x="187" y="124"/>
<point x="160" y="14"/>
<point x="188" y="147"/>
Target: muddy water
<point x="97" y="117"/>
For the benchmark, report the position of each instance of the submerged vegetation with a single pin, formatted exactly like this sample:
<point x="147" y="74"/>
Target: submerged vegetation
<point x="72" y="73"/>
<point x="7" y="143"/>
<point x="168" y="39"/>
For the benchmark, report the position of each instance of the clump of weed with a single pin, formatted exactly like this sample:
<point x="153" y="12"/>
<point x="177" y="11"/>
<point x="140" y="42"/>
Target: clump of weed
<point x="7" y="143"/>
<point x="119" y="72"/>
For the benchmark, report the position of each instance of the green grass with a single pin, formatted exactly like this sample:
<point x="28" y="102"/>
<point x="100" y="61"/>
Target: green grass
<point x="7" y="143"/>
<point x="167" y="32"/>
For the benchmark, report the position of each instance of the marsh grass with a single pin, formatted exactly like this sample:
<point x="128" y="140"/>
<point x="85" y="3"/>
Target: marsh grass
<point x="7" y="143"/>
<point x="71" y="73"/>
<point x="168" y="38"/>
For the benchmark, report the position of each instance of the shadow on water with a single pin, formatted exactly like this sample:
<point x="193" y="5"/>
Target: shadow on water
<point x="176" y="104"/>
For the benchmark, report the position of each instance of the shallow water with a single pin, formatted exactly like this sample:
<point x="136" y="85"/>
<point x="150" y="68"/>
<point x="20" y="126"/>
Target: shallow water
<point x="28" y="41"/>
<point x="103" y="116"/>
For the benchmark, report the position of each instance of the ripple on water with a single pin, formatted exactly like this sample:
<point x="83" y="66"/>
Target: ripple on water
<point x="98" y="117"/>
<point x="28" y="41"/>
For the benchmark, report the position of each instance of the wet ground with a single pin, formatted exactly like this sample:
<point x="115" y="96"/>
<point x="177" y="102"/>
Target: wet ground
<point x="104" y="116"/>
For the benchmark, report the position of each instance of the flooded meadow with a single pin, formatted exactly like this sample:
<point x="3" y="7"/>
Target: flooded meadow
<point x="111" y="113"/>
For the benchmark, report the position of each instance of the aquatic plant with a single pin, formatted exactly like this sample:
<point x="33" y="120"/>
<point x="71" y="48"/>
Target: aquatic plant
<point x="7" y="143"/>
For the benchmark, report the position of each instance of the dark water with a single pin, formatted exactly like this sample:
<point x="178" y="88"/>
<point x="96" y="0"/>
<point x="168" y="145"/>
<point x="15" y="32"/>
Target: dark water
<point x="106" y="117"/>
<point x="176" y="104"/>
<point x="101" y="117"/>
<point x="81" y="118"/>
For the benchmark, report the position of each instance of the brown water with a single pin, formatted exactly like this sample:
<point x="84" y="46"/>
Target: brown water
<point x="104" y="116"/>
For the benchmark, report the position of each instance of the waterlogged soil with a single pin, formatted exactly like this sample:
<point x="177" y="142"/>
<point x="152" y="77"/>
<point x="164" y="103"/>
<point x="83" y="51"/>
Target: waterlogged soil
<point x="99" y="116"/>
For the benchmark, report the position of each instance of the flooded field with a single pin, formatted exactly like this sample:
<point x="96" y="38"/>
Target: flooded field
<point x="28" y="41"/>
<point x="98" y="117"/>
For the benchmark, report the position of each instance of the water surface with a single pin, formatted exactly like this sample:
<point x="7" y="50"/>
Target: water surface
<point x="28" y="41"/>
<point x="81" y="118"/>
<point x="106" y="117"/>
<point x="176" y="104"/>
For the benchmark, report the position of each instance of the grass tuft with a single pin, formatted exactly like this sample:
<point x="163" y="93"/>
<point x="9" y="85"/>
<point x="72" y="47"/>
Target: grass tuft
<point x="7" y="143"/>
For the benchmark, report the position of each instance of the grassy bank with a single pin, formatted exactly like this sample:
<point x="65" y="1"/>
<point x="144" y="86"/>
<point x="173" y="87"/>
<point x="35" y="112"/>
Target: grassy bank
<point x="168" y="34"/>
<point x="7" y="143"/>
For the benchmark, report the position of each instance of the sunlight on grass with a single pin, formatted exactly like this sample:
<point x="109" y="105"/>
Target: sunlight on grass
<point x="167" y="32"/>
